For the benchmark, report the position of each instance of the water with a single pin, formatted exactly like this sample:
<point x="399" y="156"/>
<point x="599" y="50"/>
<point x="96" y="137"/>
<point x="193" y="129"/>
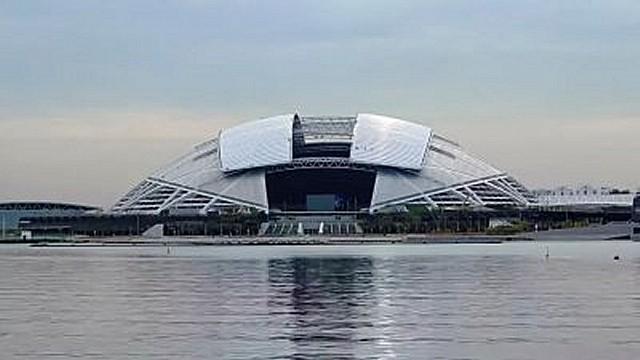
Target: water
<point x="340" y="302"/>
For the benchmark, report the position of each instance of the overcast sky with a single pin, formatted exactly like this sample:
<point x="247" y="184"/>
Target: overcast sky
<point x="94" y="95"/>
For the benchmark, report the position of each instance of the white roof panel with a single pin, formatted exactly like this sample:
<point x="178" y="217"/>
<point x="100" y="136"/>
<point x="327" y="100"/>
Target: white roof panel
<point x="385" y="141"/>
<point x="258" y="143"/>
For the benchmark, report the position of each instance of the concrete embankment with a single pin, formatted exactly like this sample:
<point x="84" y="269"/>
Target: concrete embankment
<point x="302" y="240"/>
<point x="609" y="231"/>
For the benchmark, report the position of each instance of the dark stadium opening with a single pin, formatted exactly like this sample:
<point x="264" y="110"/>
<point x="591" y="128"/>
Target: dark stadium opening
<point x="320" y="189"/>
<point x="321" y="150"/>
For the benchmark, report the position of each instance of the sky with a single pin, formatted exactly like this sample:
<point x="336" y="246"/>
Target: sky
<point x="95" y="95"/>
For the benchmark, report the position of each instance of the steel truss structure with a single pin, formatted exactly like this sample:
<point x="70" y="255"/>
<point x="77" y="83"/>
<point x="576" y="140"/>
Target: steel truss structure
<point x="153" y="196"/>
<point x="498" y="191"/>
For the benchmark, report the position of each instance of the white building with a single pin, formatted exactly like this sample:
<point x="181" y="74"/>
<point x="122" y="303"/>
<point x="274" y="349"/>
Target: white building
<point x="584" y="196"/>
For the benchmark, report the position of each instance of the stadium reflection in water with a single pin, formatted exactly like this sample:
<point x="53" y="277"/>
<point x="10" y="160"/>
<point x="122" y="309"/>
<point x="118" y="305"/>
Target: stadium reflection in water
<point x="328" y="299"/>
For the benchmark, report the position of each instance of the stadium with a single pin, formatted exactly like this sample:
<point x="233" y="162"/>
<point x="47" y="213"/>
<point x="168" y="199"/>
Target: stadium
<point x="294" y="165"/>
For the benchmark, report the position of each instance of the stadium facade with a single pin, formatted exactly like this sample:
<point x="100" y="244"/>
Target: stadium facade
<point x="292" y="164"/>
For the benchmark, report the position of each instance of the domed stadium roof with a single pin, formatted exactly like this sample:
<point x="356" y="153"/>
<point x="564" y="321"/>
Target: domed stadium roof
<point x="306" y="163"/>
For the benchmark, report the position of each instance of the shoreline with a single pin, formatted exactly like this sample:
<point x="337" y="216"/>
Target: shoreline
<point x="606" y="233"/>
<point x="408" y="239"/>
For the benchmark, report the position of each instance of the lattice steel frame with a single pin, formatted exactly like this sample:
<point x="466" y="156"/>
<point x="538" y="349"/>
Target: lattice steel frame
<point x="154" y="196"/>
<point x="495" y="191"/>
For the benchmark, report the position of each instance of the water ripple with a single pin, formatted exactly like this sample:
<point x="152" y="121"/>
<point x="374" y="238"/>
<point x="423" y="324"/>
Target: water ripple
<point x="390" y="302"/>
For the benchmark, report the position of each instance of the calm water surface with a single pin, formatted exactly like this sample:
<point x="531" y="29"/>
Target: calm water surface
<point x="341" y="302"/>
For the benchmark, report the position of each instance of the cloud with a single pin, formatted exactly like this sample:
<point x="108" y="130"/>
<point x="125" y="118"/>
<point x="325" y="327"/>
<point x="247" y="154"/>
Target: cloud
<point x="117" y="125"/>
<point x="101" y="93"/>
<point x="553" y="152"/>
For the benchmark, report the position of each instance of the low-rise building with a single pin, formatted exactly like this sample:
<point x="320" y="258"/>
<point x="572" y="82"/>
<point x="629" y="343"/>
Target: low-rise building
<point x="635" y="219"/>
<point x="585" y="196"/>
<point x="12" y="212"/>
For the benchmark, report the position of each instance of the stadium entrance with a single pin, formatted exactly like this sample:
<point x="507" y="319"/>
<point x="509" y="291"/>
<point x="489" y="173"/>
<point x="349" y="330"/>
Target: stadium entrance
<point x="320" y="190"/>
